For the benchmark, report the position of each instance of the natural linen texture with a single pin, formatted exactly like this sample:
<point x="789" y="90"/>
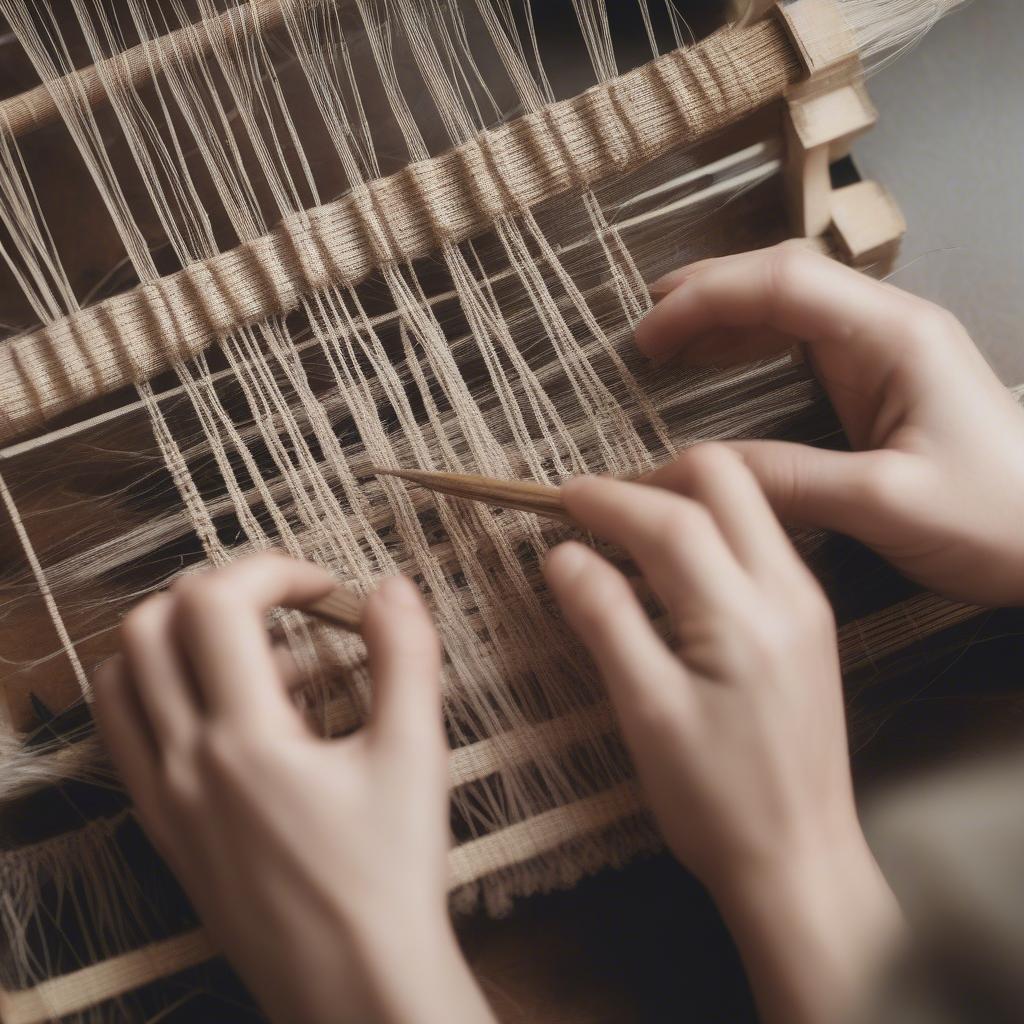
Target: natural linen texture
<point x="355" y="233"/>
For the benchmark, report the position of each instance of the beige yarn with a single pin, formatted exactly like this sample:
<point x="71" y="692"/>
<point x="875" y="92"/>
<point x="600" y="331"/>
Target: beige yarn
<point x="541" y="232"/>
<point x="607" y="130"/>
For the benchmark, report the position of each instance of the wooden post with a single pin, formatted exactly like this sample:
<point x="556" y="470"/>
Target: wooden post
<point x="819" y="130"/>
<point x="824" y="112"/>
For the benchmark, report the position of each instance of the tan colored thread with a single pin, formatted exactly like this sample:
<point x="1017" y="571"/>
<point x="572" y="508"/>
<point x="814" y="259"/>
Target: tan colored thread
<point x="240" y="283"/>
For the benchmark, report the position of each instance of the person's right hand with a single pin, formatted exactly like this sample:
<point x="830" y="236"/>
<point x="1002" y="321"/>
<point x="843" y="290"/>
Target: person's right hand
<point x="935" y="483"/>
<point x="736" y="727"/>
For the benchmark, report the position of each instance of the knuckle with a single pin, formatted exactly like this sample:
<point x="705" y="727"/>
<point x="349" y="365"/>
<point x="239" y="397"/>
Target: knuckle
<point x="884" y="483"/>
<point x="814" y="610"/>
<point x="929" y="325"/>
<point x="188" y="582"/>
<point x="940" y="320"/>
<point x="270" y="559"/>
<point x="222" y="752"/>
<point x="777" y="635"/>
<point x="263" y="564"/>
<point x="950" y="323"/>
<point x="181" y="781"/>
<point x="797" y="245"/>
<point x="777" y="638"/>
<point x="658" y="710"/>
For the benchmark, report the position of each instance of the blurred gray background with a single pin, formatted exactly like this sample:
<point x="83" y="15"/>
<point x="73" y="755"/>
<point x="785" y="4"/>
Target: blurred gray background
<point x="950" y="146"/>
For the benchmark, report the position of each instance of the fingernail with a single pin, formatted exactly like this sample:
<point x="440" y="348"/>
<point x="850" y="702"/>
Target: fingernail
<point x="642" y="343"/>
<point x="569" y="558"/>
<point x="655" y="356"/>
<point x="666" y="283"/>
<point x="651" y="343"/>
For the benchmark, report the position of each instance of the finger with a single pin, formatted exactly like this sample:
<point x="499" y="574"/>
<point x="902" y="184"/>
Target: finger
<point x="815" y="487"/>
<point x="669" y="282"/>
<point x="786" y="289"/>
<point x="673" y="540"/>
<point x="733" y="346"/>
<point x="220" y="623"/>
<point x="123" y="728"/>
<point x="661" y="287"/>
<point x="602" y="609"/>
<point x="166" y="693"/>
<point x="717" y="477"/>
<point x="405" y="663"/>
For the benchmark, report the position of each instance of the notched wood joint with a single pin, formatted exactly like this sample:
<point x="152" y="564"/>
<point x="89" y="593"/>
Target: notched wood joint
<point x="824" y="42"/>
<point x="867" y="227"/>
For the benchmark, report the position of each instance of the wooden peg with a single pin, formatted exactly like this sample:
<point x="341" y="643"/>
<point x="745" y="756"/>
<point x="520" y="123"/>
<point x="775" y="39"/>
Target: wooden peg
<point x="824" y="42"/>
<point x="524" y="495"/>
<point x="341" y="607"/>
<point x="867" y="227"/>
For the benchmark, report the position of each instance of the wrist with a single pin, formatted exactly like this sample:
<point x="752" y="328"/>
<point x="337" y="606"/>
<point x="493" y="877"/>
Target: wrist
<point x="835" y="889"/>
<point x="813" y="928"/>
<point x="415" y="973"/>
<point x="352" y="967"/>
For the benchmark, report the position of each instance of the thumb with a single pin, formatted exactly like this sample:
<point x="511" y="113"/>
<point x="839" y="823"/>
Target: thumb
<point x="817" y="487"/>
<point x="405" y="663"/>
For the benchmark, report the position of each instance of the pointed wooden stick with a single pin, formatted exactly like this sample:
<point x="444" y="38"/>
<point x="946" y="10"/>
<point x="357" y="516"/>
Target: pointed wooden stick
<point x="341" y="607"/>
<point x="524" y="495"/>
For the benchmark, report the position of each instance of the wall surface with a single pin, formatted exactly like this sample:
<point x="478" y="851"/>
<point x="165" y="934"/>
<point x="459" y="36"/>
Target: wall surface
<point x="950" y="147"/>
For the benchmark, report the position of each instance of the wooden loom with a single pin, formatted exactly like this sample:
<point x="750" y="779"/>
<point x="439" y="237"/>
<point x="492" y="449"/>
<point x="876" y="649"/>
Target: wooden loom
<point x="823" y="107"/>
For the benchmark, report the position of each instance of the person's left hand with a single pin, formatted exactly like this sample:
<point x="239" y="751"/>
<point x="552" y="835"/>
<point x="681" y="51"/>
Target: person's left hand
<point x="319" y="867"/>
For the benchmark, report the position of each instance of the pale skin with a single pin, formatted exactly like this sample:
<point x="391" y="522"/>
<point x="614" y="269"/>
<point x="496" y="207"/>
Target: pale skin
<point x="320" y="866"/>
<point x="260" y="820"/>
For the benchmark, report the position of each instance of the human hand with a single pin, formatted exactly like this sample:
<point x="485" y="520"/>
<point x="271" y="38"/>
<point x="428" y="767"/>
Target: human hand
<point x="737" y="734"/>
<point x="318" y="866"/>
<point x="936" y="481"/>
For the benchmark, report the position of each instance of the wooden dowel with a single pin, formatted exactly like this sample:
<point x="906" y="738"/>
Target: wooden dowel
<point x="341" y="607"/>
<point x="524" y="495"/>
<point x="37" y="107"/>
<point x="344" y="608"/>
